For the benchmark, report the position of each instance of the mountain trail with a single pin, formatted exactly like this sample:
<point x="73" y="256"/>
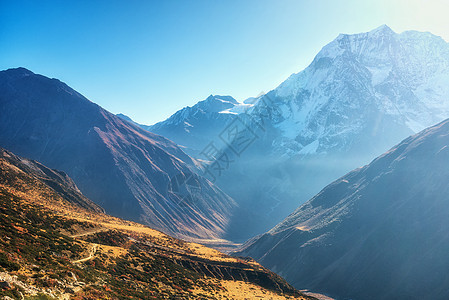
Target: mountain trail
<point x="92" y="252"/>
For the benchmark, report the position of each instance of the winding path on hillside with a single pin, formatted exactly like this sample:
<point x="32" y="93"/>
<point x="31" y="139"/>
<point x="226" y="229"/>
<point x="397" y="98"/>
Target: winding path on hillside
<point x="92" y="252"/>
<point x="89" y="232"/>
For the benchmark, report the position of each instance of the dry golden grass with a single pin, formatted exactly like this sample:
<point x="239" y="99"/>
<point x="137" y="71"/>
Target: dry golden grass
<point x="239" y="290"/>
<point x="112" y="250"/>
<point x="159" y="237"/>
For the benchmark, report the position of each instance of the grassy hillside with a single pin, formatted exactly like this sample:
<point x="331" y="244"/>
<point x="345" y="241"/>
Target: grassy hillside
<point x="52" y="248"/>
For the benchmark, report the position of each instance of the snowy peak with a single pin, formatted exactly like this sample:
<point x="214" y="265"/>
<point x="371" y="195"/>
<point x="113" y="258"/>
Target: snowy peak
<point x="401" y="78"/>
<point x="383" y="45"/>
<point x="382" y="30"/>
<point x="212" y="105"/>
<point x="216" y="103"/>
<point x="357" y="43"/>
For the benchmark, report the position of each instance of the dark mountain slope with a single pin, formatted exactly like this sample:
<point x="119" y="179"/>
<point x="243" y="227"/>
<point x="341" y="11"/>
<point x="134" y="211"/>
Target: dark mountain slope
<point x="123" y="168"/>
<point x="56" y="180"/>
<point x="380" y="232"/>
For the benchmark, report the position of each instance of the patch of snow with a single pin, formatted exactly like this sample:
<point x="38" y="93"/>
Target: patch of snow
<point x="310" y="148"/>
<point x="379" y="75"/>
<point x="239" y="108"/>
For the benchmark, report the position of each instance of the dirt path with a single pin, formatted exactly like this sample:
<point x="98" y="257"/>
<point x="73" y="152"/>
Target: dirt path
<point x="89" y="232"/>
<point x="92" y="252"/>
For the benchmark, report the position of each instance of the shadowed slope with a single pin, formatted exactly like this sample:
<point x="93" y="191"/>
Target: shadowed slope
<point x="121" y="167"/>
<point x="380" y="232"/>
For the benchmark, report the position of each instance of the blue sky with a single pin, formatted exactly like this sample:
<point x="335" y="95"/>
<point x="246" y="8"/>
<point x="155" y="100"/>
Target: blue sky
<point x="148" y="59"/>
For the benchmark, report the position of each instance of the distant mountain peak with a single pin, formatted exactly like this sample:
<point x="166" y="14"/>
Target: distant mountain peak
<point x="382" y="29"/>
<point x="217" y="103"/>
<point x="124" y="117"/>
<point x="211" y="105"/>
<point x="19" y="72"/>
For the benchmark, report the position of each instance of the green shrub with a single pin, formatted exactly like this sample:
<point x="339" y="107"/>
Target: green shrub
<point x="8" y="265"/>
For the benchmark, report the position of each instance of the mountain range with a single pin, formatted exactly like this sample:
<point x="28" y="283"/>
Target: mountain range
<point x="128" y="171"/>
<point x="361" y="94"/>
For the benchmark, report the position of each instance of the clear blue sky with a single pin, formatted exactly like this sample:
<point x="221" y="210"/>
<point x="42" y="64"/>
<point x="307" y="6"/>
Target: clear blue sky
<point x="148" y="59"/>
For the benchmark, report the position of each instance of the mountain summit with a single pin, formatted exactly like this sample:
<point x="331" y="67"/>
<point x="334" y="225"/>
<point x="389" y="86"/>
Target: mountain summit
<point x="372" y="87"/>
<point x="195" y="127"/>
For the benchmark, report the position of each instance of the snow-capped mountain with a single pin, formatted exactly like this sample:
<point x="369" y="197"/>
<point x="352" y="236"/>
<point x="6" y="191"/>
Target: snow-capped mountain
<point x="379" y="232"/>
<point x="194" y="127"/>
<point x="370" y="88"/>
<point x="361" y="94"/>
<point x="357" y="81"/>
